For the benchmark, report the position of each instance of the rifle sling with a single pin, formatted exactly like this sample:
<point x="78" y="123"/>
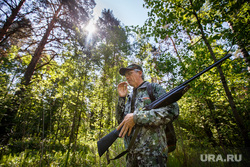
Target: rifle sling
<point x="130" y="144"/>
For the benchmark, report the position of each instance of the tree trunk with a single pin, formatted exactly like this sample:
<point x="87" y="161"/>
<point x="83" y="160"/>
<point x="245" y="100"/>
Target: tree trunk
<point x="38" y="52"/>
<point x="237" y="117"/>
<point x="175" y="49"/>
<point x="8" y="120"/>
<point x="242" y="47"/>
<point x="183" y="146"/>
<point x="211" y="107"/>
<point x="10" y="19"/>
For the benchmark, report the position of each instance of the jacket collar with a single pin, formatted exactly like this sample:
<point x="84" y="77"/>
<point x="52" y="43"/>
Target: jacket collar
<point x="143" y="85"/>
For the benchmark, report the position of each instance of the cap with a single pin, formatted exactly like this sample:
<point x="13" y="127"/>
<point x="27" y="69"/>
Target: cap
<point x="122" y="71"/>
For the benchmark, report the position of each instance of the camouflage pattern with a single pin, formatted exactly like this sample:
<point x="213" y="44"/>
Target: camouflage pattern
<point x="151" y="141"/>
<point x="134" y="160"/>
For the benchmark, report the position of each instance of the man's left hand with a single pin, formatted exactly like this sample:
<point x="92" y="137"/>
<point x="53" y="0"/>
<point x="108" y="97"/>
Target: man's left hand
<point x="128" y="124"/>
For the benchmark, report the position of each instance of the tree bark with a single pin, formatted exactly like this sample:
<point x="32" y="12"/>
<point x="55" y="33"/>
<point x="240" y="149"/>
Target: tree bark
<point x="242" y="47"/>
<point x="8" y="121"/>
<point x="237" y="117"/>
<point x="38" y="52"/>
<point x="10" y="19"/>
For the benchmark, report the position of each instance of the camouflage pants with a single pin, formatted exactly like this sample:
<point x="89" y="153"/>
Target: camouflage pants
<point x="145" y="161"/>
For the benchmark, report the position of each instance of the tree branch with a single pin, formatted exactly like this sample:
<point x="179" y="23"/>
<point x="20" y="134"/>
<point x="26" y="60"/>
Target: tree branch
<point x="45" y="63"/>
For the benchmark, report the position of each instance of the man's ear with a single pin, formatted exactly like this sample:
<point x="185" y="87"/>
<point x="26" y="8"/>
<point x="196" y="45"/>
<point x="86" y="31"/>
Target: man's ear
<point x="140" y="72"/>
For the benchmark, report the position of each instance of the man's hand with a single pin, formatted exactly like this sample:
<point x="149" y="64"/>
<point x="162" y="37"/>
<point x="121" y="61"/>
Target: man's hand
<point x="127" y="123"/>
<point x="122" y="89"/>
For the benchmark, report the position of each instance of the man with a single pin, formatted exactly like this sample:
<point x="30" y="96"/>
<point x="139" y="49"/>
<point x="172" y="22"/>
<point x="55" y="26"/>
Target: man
<point x="149" y="148"/>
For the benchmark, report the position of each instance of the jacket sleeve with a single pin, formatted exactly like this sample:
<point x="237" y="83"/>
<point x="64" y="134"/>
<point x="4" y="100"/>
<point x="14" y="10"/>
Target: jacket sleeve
<point x="159" y="116"/>
<point x="120" y="109"/>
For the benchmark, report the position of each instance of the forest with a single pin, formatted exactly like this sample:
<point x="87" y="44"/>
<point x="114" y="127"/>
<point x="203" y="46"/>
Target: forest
<point x="58" y="79"/>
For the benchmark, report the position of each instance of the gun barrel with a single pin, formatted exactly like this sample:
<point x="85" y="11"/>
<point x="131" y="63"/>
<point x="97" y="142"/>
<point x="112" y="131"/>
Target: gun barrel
<point x="207" y="69"/>
<point x="178" y="91"/>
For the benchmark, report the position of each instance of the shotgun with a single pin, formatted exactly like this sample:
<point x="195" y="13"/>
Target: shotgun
<point x="168" y="98"/>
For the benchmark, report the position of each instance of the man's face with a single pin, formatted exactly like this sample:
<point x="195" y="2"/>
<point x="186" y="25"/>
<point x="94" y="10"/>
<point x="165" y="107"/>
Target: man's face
<point x="133" y="77"/>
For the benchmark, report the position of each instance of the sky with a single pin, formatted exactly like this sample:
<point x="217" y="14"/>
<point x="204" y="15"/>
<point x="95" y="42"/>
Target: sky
<point x="129" y="12"/>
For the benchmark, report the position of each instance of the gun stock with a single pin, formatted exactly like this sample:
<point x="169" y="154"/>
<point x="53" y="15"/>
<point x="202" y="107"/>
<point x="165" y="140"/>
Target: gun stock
<point x="164" y="100"/>
<point x="104" y="143"/>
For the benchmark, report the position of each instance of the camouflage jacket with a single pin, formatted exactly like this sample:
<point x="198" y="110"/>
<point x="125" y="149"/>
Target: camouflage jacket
<point x="151" y="139"/>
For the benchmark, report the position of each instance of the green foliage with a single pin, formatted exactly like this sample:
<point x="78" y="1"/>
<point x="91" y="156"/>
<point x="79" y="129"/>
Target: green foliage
<point x="206" y="117"/>
<point x="71" y="100"/>
<point x="69" y="104"/>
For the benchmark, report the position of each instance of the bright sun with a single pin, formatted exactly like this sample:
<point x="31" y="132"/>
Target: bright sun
<point x="90" y="27"/>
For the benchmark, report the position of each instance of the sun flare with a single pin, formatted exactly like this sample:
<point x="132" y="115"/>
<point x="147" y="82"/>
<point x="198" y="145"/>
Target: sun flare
<point x="90" y="27"/>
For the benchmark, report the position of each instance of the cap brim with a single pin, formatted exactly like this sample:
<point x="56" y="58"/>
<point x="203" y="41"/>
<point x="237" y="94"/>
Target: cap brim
<point x="122" y="71"/>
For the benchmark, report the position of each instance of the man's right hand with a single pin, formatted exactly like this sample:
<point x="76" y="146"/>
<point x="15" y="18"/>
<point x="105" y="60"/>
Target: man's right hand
<point x="122" y="89"/>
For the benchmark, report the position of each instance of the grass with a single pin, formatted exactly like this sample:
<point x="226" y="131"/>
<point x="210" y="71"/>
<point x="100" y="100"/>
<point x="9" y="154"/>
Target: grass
<point x="85" y="154"/>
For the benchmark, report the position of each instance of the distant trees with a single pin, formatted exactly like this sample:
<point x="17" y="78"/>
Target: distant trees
<point x="198" y="29"/>
<point x="111" y="50"/>
<point x="59" y="85"/>
<point x="14" y="23"/>
<point x="78" y="12"/>
<point x="58" y="81"/>
<point x="236" y="14"/>
<point x="15" y="8"/>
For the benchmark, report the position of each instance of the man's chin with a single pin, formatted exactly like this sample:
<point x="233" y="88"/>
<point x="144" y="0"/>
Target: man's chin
<point x="130" y="84"/>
